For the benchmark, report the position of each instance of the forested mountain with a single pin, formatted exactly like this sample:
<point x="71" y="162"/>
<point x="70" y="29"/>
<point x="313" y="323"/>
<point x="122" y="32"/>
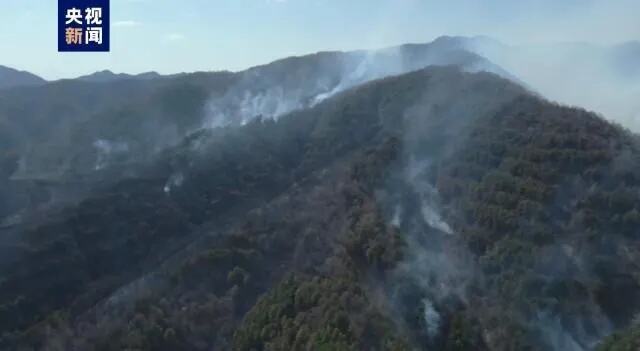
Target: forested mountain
<point x="411" y="198"/>
<point x="438" y="210"/>
<point x="78" y="122"/>
<point x="61" y="139"/>
<point x="10" y="78"/>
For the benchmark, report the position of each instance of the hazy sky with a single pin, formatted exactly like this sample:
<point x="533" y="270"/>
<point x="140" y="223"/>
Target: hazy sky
<point x="187" y="35"/>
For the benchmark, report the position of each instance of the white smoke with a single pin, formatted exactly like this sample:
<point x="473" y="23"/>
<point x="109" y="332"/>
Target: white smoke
<point x="268" y="93"/>
<point x="428" y="195"/>
<point x="107" y="151"/>
<point x="239" y="107"/>
<point x="176" y="180"/>
<point x="435" y="266"/>
<point x="602" y="79"/>
<point x="558" y="338"/>
<point x="370" y="65"/>
<point x="432" y="217"/>
<point x="397" y="216"/>
<point x="431" y="318"/>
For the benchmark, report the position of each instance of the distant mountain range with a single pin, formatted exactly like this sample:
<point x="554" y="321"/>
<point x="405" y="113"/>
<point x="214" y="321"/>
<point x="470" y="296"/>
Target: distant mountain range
<point x="108" y="76"/>
<point x="10" y="78"/>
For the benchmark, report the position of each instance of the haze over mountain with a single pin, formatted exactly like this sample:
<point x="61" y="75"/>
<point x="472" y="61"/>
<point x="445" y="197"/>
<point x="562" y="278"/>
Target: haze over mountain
<point x="415" y="197"/>
<point x="598" y="77"/>
<point x="605" y="79"/>
<point x="80" y="121"/>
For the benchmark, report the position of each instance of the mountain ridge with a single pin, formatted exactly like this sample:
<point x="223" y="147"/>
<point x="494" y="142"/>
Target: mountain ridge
<point x="109" y="76"/>
<point x="10" y="78"/>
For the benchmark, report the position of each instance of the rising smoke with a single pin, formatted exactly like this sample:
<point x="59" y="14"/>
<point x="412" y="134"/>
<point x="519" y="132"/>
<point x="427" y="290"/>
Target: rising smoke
<point x="107" y="151"/>
<point x="605" y="79"/>
<point x="270" y="91"/>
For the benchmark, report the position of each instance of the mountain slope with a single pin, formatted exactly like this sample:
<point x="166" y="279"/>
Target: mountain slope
<point x="540" y="194"/>
<point x="271" y="167"/>
<point x="10" y="78"/>
<point x="106" y="112"/>
<point x="434" y="210"/>
<point x="85" y="132"/>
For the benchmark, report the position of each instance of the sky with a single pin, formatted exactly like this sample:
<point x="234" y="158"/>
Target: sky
<point x="170" y="36"/>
